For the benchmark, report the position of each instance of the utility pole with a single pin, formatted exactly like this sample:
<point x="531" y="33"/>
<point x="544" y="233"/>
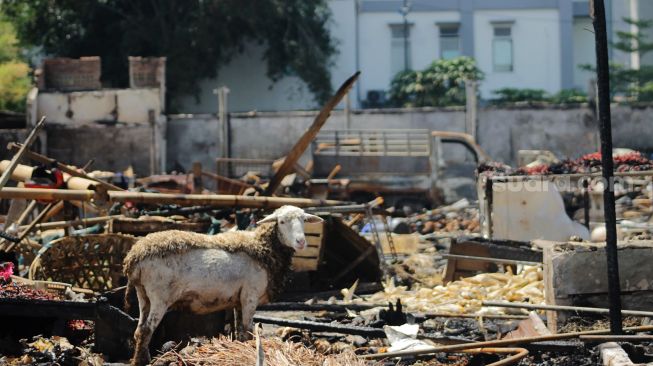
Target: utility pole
<point x="597" y="13"/>
<point x="404" y="12"/>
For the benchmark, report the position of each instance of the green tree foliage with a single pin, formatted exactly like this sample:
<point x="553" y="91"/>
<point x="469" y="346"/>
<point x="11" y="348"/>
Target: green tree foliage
<point x="14" y="74"/>
<point x="634" y="84"/>
<point x="197" y="36"/>
<point x="441" y="84"/>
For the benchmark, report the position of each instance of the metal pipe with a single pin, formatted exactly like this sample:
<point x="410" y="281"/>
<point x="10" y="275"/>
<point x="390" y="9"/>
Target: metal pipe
<point x="597" y="12"/>
<point x="578" y="309"/>
<point x="475" y="316"/>
<point x="499" y="343"/>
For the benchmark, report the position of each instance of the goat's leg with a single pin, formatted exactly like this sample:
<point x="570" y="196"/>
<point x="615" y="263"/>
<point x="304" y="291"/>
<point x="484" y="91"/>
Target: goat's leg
<point x="141" y="329"/>
<point x="239" y="332"/>
<point x="248" y="304"/>
<point x="230" y="323"/>
<point x="158" y="309"/>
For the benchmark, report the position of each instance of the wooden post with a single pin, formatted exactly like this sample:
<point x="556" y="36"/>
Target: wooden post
<point x="197" y="177"/>
<point x="471" y="106"/>
<point x="223" y="119"/>
<point x="301" y="145"/>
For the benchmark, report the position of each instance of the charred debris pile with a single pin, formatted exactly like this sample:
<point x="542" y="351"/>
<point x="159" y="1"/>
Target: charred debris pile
<point x="378" y="287"/>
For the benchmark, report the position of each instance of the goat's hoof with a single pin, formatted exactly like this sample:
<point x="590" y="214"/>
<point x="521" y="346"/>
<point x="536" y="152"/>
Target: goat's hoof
<point x="141" y="361"/>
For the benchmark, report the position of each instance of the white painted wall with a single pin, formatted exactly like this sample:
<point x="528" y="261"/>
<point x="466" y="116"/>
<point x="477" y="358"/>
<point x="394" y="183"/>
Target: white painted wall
<point x="251" y="89"/>
<point x="375" y="41"/>
<point x="536" y="49"/>
<point x="584" y="52"/>
<point x="132" y="105"/>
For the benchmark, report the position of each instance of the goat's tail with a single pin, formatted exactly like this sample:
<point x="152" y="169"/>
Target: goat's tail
<point x="128" y="290"/>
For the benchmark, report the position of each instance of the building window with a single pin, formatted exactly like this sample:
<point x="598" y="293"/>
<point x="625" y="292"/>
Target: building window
<point x="449" y="41"/>
<point x="502" y="52"/>
<point x="400" y="48"/>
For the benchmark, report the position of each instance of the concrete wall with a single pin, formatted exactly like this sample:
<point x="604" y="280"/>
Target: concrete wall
<point x="568" y="132"/>
<point x="114" y="148"/>
<point x="123" y="105"/>
<point x="192" y="138"/>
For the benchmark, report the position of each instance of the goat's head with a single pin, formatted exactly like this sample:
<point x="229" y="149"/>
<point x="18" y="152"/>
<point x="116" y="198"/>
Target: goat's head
<point x="290" y="222"/>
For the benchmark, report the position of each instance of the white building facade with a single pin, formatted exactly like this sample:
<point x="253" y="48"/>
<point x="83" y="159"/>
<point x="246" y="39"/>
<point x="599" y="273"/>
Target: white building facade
<point x="535" y="44"/>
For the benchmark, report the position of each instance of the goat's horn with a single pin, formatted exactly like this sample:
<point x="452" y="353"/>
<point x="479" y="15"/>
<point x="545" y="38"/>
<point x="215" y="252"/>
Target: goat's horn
<point x="312" y="218"/>
<point x="270" y="218"/>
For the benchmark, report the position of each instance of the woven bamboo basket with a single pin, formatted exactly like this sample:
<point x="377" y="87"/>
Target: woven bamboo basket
<point x="92" y="261"/>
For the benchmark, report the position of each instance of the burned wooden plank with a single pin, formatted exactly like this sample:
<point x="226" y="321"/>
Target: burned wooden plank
<point x="322" y="327"/>
<point x="47" y="309"/>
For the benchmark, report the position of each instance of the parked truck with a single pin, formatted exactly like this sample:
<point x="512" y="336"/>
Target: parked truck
<point x="414" y="167"/>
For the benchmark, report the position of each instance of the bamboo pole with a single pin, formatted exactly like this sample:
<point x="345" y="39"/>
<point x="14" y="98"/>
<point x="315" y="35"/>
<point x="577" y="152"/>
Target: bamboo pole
<point x="47" y="194"/>
<point x="64" y="224"/>
<point x="30" y="227"/>
<point x="63" y="167"/>
<point x="577" y="309"/>
<point x="216" y="200"/>
<point x="14" y="160"/>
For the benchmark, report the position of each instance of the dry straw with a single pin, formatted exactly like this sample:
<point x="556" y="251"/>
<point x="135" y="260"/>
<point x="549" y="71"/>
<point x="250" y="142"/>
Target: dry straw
<point x="224" y="352"/>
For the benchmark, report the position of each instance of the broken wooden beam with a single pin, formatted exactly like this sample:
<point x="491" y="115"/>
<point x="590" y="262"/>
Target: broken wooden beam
<point x="617" y="338"/>
<point x="19" y="154"/>
<point x="308" y="136"/>
<point x="322" y="327"/>
<point x="300" y="306"/>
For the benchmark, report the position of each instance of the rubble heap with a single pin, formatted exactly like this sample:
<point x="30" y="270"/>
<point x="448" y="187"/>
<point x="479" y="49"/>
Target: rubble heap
<point x="14" y="290"/>
<point x="590" y="163"/>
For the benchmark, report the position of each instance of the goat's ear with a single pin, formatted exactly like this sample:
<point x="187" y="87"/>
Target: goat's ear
<point x="312" y="218"/>
<point x="270" y="218"/>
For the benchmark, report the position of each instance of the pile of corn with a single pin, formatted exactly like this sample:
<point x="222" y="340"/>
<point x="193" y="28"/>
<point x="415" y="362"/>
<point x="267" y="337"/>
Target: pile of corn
<point x="466" y="295"/>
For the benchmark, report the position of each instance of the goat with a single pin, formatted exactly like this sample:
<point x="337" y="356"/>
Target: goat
<point x="203" y="274"/>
